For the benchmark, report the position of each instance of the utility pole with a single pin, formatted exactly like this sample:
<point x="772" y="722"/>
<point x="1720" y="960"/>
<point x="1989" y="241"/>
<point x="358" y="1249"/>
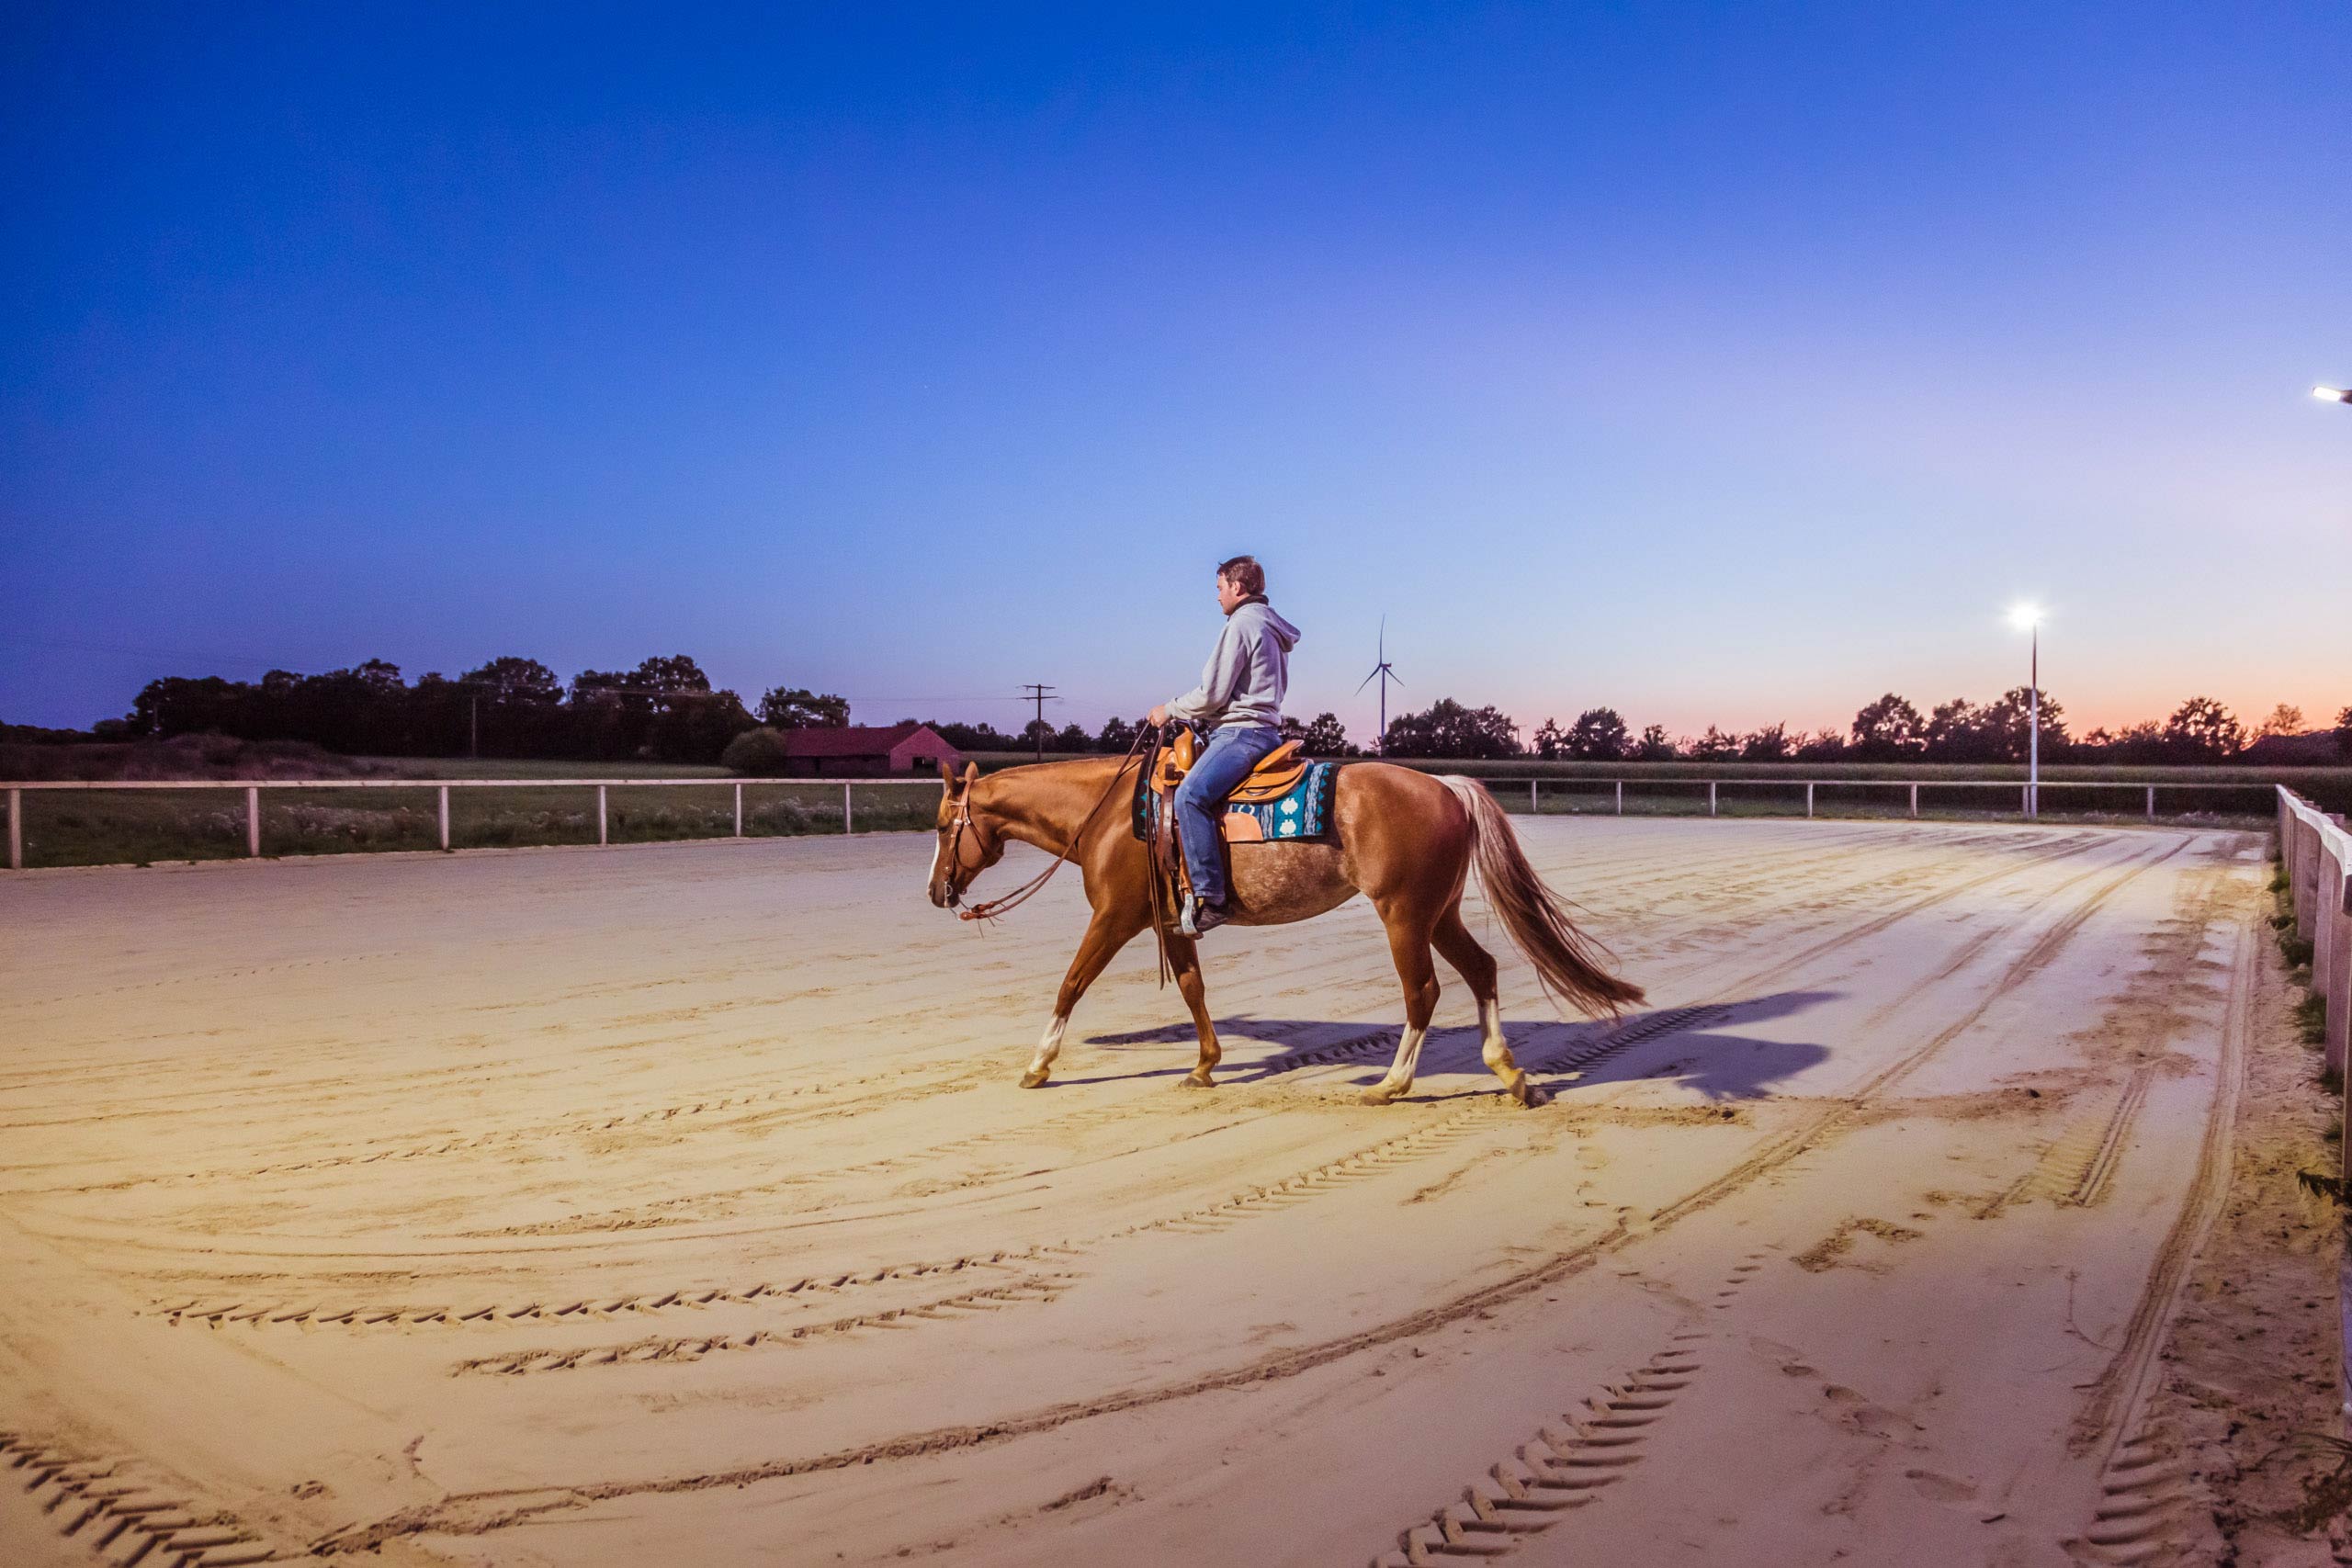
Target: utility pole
<point x="473" y="724"/>
<point x="1040" y="692"/>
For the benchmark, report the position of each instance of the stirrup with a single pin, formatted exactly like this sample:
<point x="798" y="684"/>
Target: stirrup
<point x="1200" y="918"/>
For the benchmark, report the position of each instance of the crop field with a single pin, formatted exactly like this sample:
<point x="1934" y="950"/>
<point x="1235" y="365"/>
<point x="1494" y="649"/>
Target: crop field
<point x="679" y="1205"/>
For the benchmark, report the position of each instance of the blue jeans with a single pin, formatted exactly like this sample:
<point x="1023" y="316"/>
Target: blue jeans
<point x="1233" y="750"/>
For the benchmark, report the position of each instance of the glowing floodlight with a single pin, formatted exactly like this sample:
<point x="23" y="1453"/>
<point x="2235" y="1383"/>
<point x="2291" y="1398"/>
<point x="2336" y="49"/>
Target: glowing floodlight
<point x="2332" y="394"/>
<point x="2028" y="618"/>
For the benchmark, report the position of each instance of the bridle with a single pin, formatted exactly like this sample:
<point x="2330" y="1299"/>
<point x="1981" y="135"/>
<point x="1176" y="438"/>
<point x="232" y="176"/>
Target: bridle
<point x="956" y="851"/>
<point x="1020" y="894"/>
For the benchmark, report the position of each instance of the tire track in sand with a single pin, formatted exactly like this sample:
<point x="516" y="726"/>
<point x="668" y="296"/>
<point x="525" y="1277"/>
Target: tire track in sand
<point x="1579" y="1053"/>
<point x="690" y="1297"/>
<point x="120" y="1509"/>
<point x="1540" y="1482"/>
<point x="1370" y="1041"/>
<point x="680" y="1112"/>
<point x="482" y="1512"/>
<point x="2144" y="1494"/>
<point x="1564" y="1468"/>
<point x="1439" y="1134"/>
<point x="1531" y="1490"/>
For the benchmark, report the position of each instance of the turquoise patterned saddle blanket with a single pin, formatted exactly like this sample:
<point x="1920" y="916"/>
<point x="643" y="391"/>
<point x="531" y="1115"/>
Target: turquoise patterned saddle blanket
<point x="1304" y="813"/>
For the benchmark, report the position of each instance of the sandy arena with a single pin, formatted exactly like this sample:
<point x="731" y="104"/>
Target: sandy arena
<point x="678" y="1204"/>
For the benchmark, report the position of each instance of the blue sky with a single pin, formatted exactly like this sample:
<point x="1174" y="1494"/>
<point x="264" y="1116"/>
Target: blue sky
<point x="1720" y="363"/>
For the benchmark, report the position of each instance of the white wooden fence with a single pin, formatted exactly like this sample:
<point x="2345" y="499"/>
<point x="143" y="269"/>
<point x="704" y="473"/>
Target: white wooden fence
<point x="2317" y="853"/>
<point x="2028" y="803"/>
<point x="603" y="788"/>
<point x="1772" y="790"/>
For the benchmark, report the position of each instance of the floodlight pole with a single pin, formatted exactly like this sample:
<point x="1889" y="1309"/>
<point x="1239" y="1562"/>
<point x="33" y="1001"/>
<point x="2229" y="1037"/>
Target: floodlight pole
<point x="2033" y="731"/>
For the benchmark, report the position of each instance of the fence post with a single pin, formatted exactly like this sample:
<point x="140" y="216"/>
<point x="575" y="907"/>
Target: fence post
<point x="16" y="829"/>
<point x="2025" y="799"/>
<point x="2151" y="803"/>
<point x="1710" y="798"/>
<point x="2302" y="876"/>
<point x="445" y="817"/>
<point x="2337" y="1020"/>
<point x="1915" y="800"/>
<point x="848" y="825"/>
<point x="2332" y="983"/>
<point x="2327" y="877"/>
<point x="2316" y="855"/>
<point x="2328" y="951"/>
<point x="1808" y="798"/>
<point x="1621" y="797"/>
<point x="253" y="821"/>
<point x="1531" y="798"/>
<point x="739" y="810"/>
<point x="602" y="837"/>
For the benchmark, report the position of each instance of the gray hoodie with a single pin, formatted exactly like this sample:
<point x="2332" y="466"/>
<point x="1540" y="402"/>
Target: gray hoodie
<point x="1244" y="680"/>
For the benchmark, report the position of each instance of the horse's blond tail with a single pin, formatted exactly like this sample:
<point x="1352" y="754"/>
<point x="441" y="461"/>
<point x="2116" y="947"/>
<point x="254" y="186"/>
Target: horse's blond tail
<point x="1568" y="962"/>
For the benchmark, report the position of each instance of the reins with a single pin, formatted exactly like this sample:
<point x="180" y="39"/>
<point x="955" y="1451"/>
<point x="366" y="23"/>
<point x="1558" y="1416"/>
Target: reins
<point x="1020" y="894"/>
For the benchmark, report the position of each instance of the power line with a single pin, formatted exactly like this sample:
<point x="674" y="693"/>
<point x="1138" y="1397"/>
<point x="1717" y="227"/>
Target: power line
<point x="998" y="698"/>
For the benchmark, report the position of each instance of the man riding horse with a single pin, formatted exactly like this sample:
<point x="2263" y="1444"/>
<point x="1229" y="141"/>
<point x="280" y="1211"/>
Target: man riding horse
<point x="1403" y="840"/>
<point x="1239" y="703"/>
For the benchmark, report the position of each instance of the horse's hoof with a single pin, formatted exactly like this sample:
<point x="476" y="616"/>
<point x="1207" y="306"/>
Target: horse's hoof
<point x="1380" y="1094"/>
<point x="1528" y="1095"/>
<point x="1196" y="1080"/>
<point x="1034" y="1079"/>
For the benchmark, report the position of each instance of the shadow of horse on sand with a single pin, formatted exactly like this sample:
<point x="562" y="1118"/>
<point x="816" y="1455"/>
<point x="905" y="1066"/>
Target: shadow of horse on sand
<point x="1695" y="1046"/>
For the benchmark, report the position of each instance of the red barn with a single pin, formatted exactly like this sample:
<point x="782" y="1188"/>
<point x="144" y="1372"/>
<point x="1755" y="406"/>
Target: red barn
<point x="862" y="752"/>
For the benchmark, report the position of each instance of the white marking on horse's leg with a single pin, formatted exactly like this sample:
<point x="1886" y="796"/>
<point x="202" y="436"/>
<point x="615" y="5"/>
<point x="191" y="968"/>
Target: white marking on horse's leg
<point x="1049" y="1044"/>
<point x="1049" y="1047"/>
<point x="1409" y="1050"/>
<point x="1400" y="1071"/>
<point x="1491" y="1043"/>
<point x="1495" y="1049"/>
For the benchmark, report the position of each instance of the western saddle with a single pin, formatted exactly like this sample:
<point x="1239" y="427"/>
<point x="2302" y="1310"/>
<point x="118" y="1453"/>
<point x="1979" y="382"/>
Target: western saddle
<point x="1276" y="774"/>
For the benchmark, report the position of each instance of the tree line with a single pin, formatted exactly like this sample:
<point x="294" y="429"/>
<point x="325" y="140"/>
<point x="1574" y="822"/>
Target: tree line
<point x="1890" y="729"/>
<point x="1323" y="736"/>
<point x="663" y="710"/>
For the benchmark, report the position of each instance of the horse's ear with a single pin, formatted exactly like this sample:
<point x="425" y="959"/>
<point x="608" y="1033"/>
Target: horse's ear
<point x="971" y="774"/>
<point x="946" y="773"/>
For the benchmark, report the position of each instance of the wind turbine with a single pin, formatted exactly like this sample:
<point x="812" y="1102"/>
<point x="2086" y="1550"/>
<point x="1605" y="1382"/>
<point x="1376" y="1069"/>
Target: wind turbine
<point x="1385" y="673"/>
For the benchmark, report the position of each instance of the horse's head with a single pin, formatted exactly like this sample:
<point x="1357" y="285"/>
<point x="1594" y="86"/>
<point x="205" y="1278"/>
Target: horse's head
<point x="968" y="844"/>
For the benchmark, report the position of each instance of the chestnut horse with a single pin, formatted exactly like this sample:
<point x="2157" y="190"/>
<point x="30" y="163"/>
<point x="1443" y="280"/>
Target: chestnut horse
<point x="1405" y="840"/>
